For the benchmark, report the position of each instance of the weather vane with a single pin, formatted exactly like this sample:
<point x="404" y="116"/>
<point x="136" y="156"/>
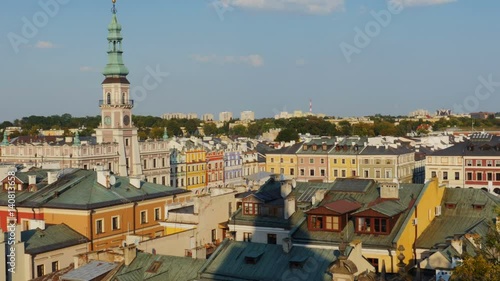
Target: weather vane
<point x="114" y="6"/>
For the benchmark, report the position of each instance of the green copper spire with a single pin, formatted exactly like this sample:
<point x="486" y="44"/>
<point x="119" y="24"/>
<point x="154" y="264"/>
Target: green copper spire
<point x="115" y="66"/>
<point x="165" y="135"/>
<point x="5" y="141"/>
<point x="76" y="140"/>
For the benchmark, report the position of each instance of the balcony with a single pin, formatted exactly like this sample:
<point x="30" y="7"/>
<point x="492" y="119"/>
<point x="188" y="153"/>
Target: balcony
<point x="122" y="104"/>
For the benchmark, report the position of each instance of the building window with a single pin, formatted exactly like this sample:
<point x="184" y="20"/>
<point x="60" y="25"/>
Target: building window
<point x="99" y="226"/>
<point x="272" y="160"/>
<point x="126" y="142"/>
<point x="272" y="170"/>
<point x="302" y="172"/>
<point x="214" y="235"/>
<point x="366" y="161"/>
<point x="145" y="164"/>
<point x="157" y="214"/>
<point x="250" y="208"/>
<point x="322" y="161"/>
<point x="291" y="160"/>
<point x="144" y="217"/>
<point x="344" y="173"/>
<point x="489" y="177"/>
<point x="108" y="98"/>
<point x="322" y="172"/>
<point x="445" y="175"/>
<point x="329" y="223"/>
<point x="372" y="225"/>
<point x="469" y="176"/>
<point x="366" y="172"/>
<point x="497" y="163"/>
<point x="335" y="161"/>
<point x="311" y="160"/>
<point x="457" y="175"/>
<point x="292" y="172"/>
<point x="281" y="160"/>
<point x="311" y="172"/>
<point x="335" y="173"/>
<point x="479" y="176"/>
<point x="374" y="262"/>
<point x="115" y="223"/>
<point x="271" y="239"/>
<point x="55" y="266"/>
<point x="469" y="162"/>
<point x="433" y="174"/>
<point x="353" y="161"/>
<point x="247" y="236"/>
<point x="489" y="163"/>
<point x="40" y="271"/>
<point x="154" y="163"/>
<point x="282" y="170"/>
<point x="343" y="161"/>
<point x="498" y="176"/>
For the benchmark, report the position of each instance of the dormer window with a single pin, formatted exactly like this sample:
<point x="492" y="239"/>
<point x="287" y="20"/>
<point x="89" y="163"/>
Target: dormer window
<point x="372" y="225"/>
<point x="315" y="147"/>
<point x="450" y="205"/>
<point x="478" y="206"/>
<point x="324" y="223"/>
<point x="252" y="209"/>
<point x="304" y="147"/>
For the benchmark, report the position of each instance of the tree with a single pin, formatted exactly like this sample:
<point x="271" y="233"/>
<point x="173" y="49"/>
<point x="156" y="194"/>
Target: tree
<point x="287" y="135"/>
<point x="209" y="129"/>
<point x="239" y="130"/>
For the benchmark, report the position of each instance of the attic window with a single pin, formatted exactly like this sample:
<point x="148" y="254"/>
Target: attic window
<point x="297" y="263"/>
<point x="253" y="258"/>
<point x="315" y="147"/>
<point x="305" y="147"/>
<point x="154" y="267"/>
<point x="450" y="205"/>
<point x="478" y="206"/>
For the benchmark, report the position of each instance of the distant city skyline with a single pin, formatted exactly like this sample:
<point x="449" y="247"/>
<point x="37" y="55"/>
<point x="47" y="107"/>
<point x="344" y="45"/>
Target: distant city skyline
<point x="211" y="57"/>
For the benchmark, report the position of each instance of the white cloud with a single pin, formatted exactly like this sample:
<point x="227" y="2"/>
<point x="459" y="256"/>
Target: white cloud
<point x="44" y="45"/>
<point x="413" y="3"/>
<point x="307" y="6"/>
<point x="252" y="60"/>
<point x="87" y="69"/>
<point x="300" y="62"/>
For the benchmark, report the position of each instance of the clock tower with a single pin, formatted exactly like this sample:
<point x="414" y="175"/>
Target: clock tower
<point x="116" y="106"/>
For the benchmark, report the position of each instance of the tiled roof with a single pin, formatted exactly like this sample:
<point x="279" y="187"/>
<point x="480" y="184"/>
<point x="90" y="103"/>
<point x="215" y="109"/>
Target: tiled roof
<point x="462" y="219"/>
<point x="52" y="238"/>
<point x="382" y="150"/>
<point x="167" y="268"/>
<point x="228" y="263"/>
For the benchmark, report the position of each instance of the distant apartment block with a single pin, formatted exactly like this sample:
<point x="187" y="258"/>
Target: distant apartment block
<point x="169" y="116"/>
<point x="207" y="117"/>
<point x="225" y="116"/>
<point x="247" y="116"/>
<point x="419" y="113"/>
<point x="481" y="115"/>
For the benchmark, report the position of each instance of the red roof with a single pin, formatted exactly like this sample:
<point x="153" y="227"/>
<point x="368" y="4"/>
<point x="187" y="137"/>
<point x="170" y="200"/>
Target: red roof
<point x="343" y="206"/>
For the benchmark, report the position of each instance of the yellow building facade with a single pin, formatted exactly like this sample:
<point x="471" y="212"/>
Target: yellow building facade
<point x="196" y="169"/>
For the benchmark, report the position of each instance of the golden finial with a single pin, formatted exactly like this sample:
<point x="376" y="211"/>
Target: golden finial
<point x="114" y="1"/>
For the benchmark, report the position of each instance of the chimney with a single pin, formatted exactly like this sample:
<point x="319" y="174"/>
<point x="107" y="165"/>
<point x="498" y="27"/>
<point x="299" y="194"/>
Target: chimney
<point x="31" y="179"/>
<point x="51" y="177"/>
<point x="136" y="182"/>
<point x="286" y="188"/>
<point x="129" y="254"/>
<point x="287" y="245"/>
<point x="103" y="178"/>
<point x="318" y="196"/>
<point x="290" y="207"/>
<point x="457" y="244"/>
<point x="389" y="190"/>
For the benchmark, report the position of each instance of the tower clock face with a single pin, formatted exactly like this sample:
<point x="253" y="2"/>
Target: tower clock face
<point x="107" y="120"/>
<point x="126" y="120"/>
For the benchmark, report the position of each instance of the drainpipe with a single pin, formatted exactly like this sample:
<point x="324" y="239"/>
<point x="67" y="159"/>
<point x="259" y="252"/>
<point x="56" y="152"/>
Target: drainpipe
<point x="33" y="267"/>
<point x="133" y="210"/>
<point x="34" y="215"/>
<point x="91" y="231"/>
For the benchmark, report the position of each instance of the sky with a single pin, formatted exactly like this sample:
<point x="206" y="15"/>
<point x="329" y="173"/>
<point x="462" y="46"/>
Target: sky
<point x="350" y="57"/>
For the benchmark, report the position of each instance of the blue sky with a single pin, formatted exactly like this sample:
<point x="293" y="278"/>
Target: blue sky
<point x="266" y="56"/>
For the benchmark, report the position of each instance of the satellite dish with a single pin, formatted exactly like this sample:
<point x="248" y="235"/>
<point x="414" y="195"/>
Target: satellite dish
<point x="294" y="183"/>
<point x="112" y="180"/>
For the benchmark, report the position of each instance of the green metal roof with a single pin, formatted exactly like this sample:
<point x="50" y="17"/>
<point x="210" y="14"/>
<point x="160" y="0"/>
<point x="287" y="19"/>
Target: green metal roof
<point x="115" y="66"/>
<point x="170" y="268"/>
<point x="52" y="238"/>
<point x="228" y="263"/>
<point x="462" y="219"/>
<point x="79" y="190"/>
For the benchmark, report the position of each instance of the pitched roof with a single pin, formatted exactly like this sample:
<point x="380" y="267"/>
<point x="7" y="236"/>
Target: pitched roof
<point x="90" y="271"/>
<point x="54" y="237"/>
<point x="228" y="262"/>
<point x="79" y="190"/>
<point x="461" y="219"/>
<point x="146" y="266"/>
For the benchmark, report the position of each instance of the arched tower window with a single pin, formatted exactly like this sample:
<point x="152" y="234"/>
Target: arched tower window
<point x="108" y="98"/>
<point x="123" y="98"/>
